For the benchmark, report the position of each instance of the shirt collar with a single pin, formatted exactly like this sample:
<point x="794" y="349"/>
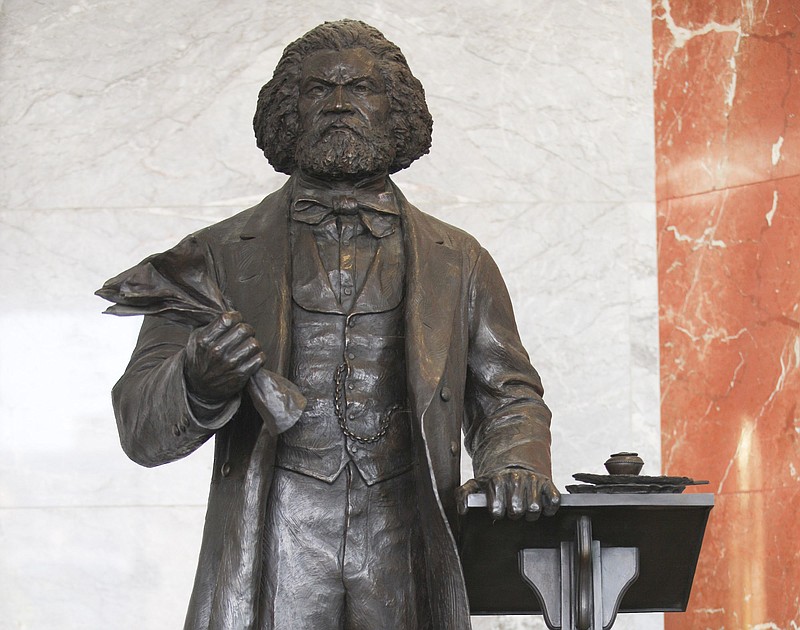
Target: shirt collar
<point x="373" y="200"/>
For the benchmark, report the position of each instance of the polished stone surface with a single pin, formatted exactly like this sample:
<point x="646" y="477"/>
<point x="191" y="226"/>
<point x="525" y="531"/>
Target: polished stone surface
<point x="126" y="126"/>
<point x="728" y="186"/>
<point x="79" y="568"/>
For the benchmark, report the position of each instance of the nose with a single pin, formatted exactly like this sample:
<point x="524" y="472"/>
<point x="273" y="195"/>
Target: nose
<point x="339" y="100"/>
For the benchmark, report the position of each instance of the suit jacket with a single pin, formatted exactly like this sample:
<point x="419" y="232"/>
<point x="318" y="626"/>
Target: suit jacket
<point x="466" y="370"/>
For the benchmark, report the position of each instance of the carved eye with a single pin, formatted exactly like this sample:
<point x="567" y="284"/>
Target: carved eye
<point x="316" y="90"/>
<point x="361" y="88"/>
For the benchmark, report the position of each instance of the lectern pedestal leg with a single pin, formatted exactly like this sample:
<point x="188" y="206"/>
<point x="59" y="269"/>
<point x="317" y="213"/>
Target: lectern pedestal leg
<point x="580" y="585"/>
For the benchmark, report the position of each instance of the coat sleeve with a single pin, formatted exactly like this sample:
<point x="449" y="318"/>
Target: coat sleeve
<point x="506" y="424"/>
<point x="155" y="422"/>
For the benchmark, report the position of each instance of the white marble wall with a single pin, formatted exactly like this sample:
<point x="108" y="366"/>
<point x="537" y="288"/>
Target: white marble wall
<point x="126" y="125"/>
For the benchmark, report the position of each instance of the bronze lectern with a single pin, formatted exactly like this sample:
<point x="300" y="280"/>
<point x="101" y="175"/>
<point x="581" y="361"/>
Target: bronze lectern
<point x="599" y="555"/>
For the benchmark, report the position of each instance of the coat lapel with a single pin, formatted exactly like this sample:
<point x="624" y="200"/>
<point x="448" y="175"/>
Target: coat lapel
<point x="259" y="257"/>
<point x="433" y="286"/>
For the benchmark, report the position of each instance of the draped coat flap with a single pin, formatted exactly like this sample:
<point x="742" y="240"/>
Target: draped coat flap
<point x="466" y="369"/>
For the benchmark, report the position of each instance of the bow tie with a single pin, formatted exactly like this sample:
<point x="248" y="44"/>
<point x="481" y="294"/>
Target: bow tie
<point x="377" y="210"/>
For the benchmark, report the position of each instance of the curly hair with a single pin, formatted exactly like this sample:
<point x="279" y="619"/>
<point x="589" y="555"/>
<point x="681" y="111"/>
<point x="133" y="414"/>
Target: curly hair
<point x="276" y="121"/>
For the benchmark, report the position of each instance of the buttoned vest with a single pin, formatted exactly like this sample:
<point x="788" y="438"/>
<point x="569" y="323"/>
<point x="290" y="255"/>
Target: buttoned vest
<point x="365" y="344"/>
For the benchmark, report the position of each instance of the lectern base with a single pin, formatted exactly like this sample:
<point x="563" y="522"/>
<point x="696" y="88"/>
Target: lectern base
<point x="580" y="586"/>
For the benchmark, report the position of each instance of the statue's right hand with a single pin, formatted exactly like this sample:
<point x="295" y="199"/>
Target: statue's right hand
<point x="221" y="357"/>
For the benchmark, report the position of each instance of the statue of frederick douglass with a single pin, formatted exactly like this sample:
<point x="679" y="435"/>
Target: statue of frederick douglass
<point x="397" y="330"/>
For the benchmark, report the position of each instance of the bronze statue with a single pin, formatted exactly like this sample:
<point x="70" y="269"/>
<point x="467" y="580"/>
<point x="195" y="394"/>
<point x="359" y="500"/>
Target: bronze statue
<point x="335" y="341"/>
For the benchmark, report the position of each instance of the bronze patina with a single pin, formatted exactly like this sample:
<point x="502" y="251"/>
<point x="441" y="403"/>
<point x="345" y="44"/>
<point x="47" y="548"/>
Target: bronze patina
<point x="335" y="341"/>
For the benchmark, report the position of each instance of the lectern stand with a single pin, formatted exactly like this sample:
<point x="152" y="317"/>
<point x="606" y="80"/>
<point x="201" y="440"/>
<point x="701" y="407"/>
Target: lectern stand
<point x="599" y="555"/>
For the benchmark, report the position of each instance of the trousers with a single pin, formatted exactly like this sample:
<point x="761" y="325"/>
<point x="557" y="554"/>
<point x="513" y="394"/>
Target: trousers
<point x="343" y="555"/>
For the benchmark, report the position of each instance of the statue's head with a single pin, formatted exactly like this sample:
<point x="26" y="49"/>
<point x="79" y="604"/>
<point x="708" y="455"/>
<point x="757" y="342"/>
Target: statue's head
<point x="341" y="103"/>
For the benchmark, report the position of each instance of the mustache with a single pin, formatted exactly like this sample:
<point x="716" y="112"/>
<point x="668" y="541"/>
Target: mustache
<point x="342" y="123"/>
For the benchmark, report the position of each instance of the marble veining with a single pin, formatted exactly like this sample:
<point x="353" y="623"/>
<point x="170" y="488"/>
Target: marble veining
<point x="728" y="187"/>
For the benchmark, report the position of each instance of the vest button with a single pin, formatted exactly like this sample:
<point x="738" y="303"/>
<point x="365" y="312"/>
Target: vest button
<point x="446" y="394"/>
<point x="454" y="447"/>
<point x="176" y="430"/>
<point x="351" y="356"/>
<point x="226" y="469"/>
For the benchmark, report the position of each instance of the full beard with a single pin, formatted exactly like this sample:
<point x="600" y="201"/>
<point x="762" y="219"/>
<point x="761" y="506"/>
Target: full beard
<point x="344" y="153"/>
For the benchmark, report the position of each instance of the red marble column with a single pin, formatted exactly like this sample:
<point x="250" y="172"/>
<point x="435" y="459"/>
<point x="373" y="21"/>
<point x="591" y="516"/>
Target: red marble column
<point x="727" y="103"/>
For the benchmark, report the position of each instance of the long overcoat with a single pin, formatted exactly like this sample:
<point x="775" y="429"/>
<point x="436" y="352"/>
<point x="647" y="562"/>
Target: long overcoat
<point x="467" y="370"/>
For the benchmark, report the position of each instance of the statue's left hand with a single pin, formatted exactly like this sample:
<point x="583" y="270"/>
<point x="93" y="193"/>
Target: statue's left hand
<point x="513" y="492"/>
